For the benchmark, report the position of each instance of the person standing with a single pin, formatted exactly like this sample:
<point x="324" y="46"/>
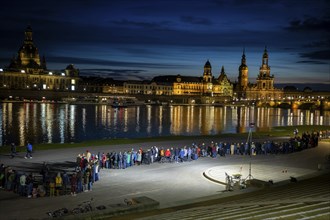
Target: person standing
<point x="51" y="186"/>
<point x="22" y="185"/>
<point x="73" y="182"/>
<point x="29" y="185"/>
<point x="28" y="151"/>
<point x="58" y="183"/>
<point x="12" y="150"/>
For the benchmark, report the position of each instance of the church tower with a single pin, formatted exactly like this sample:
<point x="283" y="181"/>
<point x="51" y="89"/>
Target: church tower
<point x="28" y="53"/>
<point x="265" y="81"/>
<point x="243" y="73"/>
<point x="207" y="75"/>
<point x="207" y="78"/>
<point x="28" y="57"/>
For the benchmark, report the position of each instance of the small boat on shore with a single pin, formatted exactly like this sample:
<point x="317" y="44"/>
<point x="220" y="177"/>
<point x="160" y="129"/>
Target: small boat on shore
<point x="116" y="104"/>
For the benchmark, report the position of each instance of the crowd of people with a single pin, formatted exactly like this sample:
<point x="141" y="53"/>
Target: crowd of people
<point x="52" y="182"/>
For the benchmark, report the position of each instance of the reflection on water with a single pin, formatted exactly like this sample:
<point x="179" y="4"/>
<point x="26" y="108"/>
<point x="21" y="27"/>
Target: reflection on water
<point x="61" y="123"/>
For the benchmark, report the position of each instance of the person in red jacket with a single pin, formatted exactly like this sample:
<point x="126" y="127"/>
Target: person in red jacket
<point x="168" y="153"/>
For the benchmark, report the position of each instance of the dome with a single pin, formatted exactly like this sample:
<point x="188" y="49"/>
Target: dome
<point x="70" y="67"/>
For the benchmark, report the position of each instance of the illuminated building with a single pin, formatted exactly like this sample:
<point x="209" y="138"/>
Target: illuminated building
<point x="206" y="85"/>
<point x="28" y="71"/>
<point x="263" y="90"/>
<point x="148" y="87"/>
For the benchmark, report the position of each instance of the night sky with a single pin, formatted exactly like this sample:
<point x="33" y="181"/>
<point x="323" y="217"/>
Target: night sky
<point x="139" y="39"/>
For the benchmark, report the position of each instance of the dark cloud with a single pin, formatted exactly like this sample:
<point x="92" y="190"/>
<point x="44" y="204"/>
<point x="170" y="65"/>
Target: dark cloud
<point x="317" y="55"/>
<point x="318" y="44"/>
<point x="103" y="62"/>
<point x="196" y="20"/>
<point x="311" y="62"/>
<point x="142" y="24"/>
<point x="117" y="74"/>
<point x="310" y="24"/>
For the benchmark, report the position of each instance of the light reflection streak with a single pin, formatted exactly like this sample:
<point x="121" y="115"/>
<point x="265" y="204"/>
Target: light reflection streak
<point x="148" y="119"/>
<point x="137" y="116"/>
<point x="34" y="119"/>
<point x="125" y="120"/>
<point x="200" y="119"/>
<point x="43" y="119"/>
<point x="62" y="125"/>
<point x="49" y="125"/>
<point x="103" y="115"/>
<point x="21" y="126"/>
<point x="72" y="116"/>
<point x="1" y="126"/>
<point x="160" y="118"/>
<point x="115" y="119"/>
<point x="83" y="116"/>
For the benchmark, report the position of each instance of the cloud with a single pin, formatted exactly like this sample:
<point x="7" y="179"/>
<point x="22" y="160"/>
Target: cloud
<point x="196" y="20"/>
<point x="317" y="55"/>
<point x="142" y="24"/>
<point x="117" y="74"/>
<point x="311" y="62"/>
<point x="319" y="43"/>
<point x="103" y="62"/>
<point x="310" y="24"/>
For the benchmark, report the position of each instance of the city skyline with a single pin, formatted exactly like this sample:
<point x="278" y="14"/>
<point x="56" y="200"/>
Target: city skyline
<point x="139" y="40"/>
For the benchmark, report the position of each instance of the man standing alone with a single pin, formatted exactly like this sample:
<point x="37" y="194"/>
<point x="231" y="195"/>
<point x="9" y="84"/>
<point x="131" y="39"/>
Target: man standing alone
<point x="28" y="151"/>
<point x="12" y="150"/>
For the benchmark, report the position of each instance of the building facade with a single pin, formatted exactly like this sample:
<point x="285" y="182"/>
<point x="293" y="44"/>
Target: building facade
<point x="263" y="90"/>
<point x="206" y="85"/>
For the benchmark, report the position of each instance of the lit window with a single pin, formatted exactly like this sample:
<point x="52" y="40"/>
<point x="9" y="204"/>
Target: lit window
<point x="73" y="81"/>
<point x="50" y="73"/>
<point x="73" y="88"/>
<point x="63" y="74"/>
<point x="22" y="71"/>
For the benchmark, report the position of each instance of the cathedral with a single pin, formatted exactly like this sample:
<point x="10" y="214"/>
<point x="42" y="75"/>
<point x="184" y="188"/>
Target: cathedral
<point x="28" y="71"/>
<point x="263" y="89"/>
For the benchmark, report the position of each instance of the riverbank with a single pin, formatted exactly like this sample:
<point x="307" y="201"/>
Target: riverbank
<point x="282" y="131"/>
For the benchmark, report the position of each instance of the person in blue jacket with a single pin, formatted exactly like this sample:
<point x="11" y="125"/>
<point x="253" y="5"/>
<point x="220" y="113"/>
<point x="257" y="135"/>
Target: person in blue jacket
<point x="28" y="151"/>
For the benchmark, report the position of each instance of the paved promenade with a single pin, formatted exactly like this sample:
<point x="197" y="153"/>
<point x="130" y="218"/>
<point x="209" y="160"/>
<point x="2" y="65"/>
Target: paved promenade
<point x="172" y="184"/>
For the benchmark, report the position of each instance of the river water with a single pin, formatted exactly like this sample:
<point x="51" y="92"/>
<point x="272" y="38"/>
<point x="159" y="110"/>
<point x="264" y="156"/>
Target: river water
<point x="64" y="123"/>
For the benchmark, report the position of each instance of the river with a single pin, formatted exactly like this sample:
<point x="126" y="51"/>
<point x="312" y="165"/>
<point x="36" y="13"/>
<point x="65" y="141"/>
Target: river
<point x="64" y="123"/>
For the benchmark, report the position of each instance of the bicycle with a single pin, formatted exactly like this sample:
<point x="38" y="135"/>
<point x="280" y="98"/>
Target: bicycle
<point x="128" y="202"/>
<point x="58" y="213"/>
<point x="83" y="207"/>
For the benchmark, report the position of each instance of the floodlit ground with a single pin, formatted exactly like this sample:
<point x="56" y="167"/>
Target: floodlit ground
<point x="171" y="184"/>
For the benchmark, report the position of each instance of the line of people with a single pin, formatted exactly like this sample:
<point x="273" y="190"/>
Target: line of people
<point x="53" y="182"/>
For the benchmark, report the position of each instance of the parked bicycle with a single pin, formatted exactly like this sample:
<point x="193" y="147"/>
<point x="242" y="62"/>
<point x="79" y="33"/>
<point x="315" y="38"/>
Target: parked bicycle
<point x="83" y="207"/>
<point x="58" y="213"/>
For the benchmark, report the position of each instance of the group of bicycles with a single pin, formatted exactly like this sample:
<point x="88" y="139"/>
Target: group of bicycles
<point x="84" y="207"/>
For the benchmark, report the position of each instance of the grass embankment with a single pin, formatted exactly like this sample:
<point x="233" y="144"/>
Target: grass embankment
<point x="285" y="131"/>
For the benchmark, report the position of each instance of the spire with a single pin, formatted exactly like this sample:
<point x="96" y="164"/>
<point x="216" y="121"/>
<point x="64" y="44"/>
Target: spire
<point x="265" y="57"/>
<point x="222" y="70"/>
<point x="243" y="62"/>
